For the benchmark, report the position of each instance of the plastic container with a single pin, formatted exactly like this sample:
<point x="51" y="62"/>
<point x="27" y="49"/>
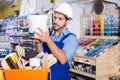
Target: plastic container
<point x="35" y="22"/>
<point x="17" y="74"/>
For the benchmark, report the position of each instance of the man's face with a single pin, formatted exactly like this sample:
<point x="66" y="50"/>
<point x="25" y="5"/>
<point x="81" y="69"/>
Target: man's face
<point x="59" y="21"/>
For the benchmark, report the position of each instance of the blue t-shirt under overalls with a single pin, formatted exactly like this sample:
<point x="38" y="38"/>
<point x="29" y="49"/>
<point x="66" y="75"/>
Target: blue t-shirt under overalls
<point x="58" y="71"/>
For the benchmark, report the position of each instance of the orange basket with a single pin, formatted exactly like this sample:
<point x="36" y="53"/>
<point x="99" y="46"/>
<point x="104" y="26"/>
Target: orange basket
<point x="17" y="74"/>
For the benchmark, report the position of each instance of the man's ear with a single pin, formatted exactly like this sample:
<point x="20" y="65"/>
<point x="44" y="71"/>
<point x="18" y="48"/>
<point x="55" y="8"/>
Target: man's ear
<point x="67" y="22"/>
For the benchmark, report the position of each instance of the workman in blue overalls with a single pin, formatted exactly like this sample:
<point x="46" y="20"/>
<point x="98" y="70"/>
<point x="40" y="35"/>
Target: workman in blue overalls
<point x="60" y="42"/>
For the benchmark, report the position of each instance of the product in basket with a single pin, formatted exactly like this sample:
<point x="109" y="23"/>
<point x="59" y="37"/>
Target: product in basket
<point x="34" y="63"/>
<point x="20" y="50"/>
<point x="48" y="60"/>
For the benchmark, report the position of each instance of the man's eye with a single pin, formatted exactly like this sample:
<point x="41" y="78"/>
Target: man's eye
<point x="60" y="18"/>
<point x="55" y="17"/>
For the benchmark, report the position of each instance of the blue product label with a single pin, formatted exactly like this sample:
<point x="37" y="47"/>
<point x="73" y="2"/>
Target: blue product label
<point x="3" y="52"/>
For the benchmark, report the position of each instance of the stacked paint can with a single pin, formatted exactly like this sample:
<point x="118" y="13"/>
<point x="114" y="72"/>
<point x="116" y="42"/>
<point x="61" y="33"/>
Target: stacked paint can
<point x="102" y="25"/>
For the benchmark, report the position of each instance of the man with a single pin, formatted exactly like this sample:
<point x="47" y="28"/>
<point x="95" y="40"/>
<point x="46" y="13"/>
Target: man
<point x="60" y="42"/>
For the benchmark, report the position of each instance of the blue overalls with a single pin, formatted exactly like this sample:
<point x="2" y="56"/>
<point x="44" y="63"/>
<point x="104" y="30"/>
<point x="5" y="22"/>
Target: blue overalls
<point x="58" y="71"/>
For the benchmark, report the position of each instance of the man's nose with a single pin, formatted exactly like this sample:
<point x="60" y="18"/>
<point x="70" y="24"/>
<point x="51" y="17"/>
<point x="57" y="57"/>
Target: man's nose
<point x="56" y="20"/>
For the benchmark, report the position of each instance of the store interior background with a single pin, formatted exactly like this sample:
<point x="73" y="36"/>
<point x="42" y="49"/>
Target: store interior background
<point x="80" y="7"/>
<point x="7" y="8"/>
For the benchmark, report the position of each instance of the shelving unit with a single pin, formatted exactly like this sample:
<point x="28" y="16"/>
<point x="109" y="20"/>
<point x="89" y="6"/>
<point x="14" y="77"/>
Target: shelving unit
<point x="17" y="30"/>
<point x="106" y="65"/>
<point x="100" y="58"/>
<point x="4" y="46"/>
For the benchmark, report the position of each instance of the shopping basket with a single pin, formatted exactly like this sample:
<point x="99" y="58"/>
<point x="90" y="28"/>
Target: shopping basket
<point x="17" y="74"/>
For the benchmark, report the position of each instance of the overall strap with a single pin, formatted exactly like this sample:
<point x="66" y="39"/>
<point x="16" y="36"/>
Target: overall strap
<point x="67" y="36"/>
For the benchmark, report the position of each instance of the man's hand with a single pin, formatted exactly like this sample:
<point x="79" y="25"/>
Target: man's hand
<point x="42" y="36"/>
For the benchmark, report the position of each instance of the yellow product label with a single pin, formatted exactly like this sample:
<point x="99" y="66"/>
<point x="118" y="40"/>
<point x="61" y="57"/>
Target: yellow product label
<point x="1" y="75"/>
<point x="14" y="58"/>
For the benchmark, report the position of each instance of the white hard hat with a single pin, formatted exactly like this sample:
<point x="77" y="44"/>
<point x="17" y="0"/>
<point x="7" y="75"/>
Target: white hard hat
<point x="66" y="9"/>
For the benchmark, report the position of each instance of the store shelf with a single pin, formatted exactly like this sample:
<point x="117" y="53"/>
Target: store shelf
<point x="82" y="73"/>
<point x="105" y="65"/>
<point x="103" y="26"/>
<point x="18" y="32"/>
<point x="102" y="37"/>
<point x="85" y="60"/>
